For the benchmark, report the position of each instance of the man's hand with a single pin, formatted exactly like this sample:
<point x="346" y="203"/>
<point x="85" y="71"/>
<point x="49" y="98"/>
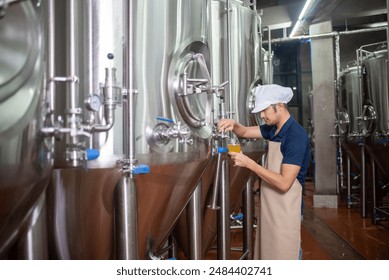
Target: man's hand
<point x="240" y="159"/>
<point x="226" y="125"/>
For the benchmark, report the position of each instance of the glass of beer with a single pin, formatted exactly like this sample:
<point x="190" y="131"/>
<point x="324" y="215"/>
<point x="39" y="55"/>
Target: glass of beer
<point x="234" y="145"/>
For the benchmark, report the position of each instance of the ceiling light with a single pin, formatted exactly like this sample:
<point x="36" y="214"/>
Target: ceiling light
<point x="300" y="18"/>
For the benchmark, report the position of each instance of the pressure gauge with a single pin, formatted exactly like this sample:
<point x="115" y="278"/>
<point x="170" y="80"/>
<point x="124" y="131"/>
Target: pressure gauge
<point x="93" y="103"/>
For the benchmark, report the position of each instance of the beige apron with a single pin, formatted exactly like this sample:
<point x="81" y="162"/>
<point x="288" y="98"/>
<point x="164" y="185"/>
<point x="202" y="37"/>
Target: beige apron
<point x="278" y="237"/>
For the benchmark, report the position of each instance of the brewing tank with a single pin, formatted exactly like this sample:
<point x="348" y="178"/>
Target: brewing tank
<point x="172" y="124"/>
<point x="25" y="155"/>
<point x="375" y="88"/>
<point x="236" y="57"/>
<point x="375" y="111"/>
<point x="350" y="103"/>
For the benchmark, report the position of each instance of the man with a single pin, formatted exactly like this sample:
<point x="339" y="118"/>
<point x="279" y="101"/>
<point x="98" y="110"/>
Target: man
<point x="283" y="173"/>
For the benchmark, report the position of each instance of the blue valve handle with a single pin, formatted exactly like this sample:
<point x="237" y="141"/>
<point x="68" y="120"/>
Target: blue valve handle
<point x="222" y="150"/>
<point x="165" y="119"/>
<point x="141" y="169"/>
<point x="92" y="154"/>
<point x="238" y="216"/>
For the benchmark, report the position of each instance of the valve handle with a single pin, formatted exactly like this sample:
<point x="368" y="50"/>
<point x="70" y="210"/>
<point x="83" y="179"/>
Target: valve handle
<point x="92" y="154"/>
<point x="165" y="119"/>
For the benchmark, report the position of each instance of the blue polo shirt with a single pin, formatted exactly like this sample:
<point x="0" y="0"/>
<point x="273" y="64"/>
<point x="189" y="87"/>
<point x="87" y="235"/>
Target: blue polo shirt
<point x="295" y="146"/>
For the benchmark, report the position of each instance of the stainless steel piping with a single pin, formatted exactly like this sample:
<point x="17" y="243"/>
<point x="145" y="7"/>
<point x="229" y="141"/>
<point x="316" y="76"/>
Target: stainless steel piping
<point x="387" y="29"/>
<point x="126" y="204"/>
<point x="51" y="56"/>
<point x="227" y="57"/>
<point x="373" y="176"/>
<point x="126" y="219"/>
<point x="248" y="206"/>
<point x="270" y="56"/>
<point x="72" y="54"/>
<point x="195" y="224"/>
<point x="216" y="180"/>
<point x="223" y="229"/>
<point x="387" y="39"/>
<point x="327" y="35"/>
<point x="109" y="119"/>
<point x="348" y="182"/>
<point x="74" y="152"/>
<point x="72" y="58"/>
<point x="363" y="164"/>
<point x="128" y="73"/>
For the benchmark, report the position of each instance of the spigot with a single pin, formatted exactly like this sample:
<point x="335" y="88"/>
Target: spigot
<point x="177" y="131"/>
<point x="218" y="89"/>
<point x="159" y="135"/>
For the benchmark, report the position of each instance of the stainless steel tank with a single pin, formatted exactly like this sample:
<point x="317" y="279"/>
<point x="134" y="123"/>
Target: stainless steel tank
<point x="351" y="129"/>
<point x="375" y="88"/>
<point x="236" y="57"/>
<point x="376" y="112"/>
<point x="350" y="103"/>
<point x="25" y="155"/>
<point x="172" y="131"/>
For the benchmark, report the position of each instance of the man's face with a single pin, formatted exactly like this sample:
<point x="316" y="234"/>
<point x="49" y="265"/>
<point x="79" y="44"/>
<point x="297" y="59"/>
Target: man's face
<point x="269" y="115"/>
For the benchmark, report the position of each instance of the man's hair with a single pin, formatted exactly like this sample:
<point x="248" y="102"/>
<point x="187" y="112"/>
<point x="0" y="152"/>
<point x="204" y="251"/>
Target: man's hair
<point x="275" y="106"/>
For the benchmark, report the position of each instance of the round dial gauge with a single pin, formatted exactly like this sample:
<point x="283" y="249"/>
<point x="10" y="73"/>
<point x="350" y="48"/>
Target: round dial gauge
<point x="94" y="102"/>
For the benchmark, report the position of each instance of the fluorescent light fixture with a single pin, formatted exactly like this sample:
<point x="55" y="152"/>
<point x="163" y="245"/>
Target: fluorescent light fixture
<point x="300" y="18"/>
<point x="304" y="10"/>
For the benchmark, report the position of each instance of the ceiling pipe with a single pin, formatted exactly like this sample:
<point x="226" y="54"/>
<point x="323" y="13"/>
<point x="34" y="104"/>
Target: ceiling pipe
<point x="328" y="35"/>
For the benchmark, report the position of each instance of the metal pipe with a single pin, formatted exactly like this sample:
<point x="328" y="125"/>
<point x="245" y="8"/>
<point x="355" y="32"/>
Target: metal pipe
<point x="387" y="29"/>
<point x="51" y="55"/>
<point x="195" y="224"/>
<point x="363" y="192"/>
<point x="131" y="123"/>
<point x="216" y="181"/>
<point x="259" y="30"/>
<point x="348" y="182"/>
<point x="245" y="256"/>
<point x="327" y="35"/>
<point x="128" y="72"/>
<point x="248" y="206"/>
<point x="126" y="208"/>
<point x="72" y="56"/>
<point x="387" y="48"/>
<point x="126" y="219"/>
<point x="72" y="111"/>
<point x="109" y="114"/>
<point x="374" y="190"/>
<point x="227" y="58"/>
<point x="223" y="229"/>
<point x="173" y="250"/>
<point x="270" y="56"/>
<point x="91" y="86"/>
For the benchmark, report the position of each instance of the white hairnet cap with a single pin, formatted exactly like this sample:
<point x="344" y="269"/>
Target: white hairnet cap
<point x="266" y="95"/>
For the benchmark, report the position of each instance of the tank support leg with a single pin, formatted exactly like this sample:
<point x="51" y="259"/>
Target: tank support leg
<point x="195" y="224"/>
<point x="248" y="204"/>
<point x="126" y="219"/>
<point x="223" y="228"/>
